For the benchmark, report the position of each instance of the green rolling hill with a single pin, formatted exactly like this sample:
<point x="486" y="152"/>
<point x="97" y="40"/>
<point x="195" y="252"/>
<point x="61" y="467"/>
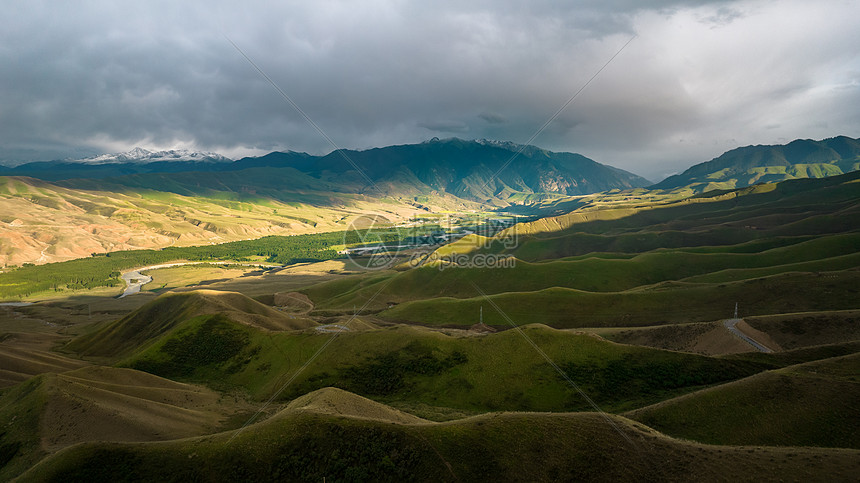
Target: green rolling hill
<point x="816" y="398"/>
<point x="683" y="261"/>
<point x="405" y="366"/>
<point x="148" y="323"/>
<point x="53" y="411"/>
<point x="312" y="440"/>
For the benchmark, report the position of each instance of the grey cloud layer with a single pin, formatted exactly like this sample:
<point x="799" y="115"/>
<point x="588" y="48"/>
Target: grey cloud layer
<point x="700" y="76"/>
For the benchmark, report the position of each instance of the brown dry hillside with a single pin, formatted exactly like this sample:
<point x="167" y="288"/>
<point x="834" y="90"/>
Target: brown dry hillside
<point x="44" y="222"/>
<point x="337" y="402"/>
<point x="709" y="338"/>
<point x="165" y="312"/>
<point x="793" y="331"/>
<point x="294" y="302"/>
<point x="112" y="404"/>
<point x="23" y="355"/>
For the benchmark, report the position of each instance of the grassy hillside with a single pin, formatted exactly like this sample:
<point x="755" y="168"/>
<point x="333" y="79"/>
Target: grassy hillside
<point x="753" y="238"/>
<point x="798" y="356"/>
<point x="781" y="209"/>
<point x="811" y="404"/>
<point x="148" y="323"/>
<point x="387" y="400"/>
<point x="801" y="337"/>
<point x="419" y="368"/>
<point x="598" y="274"/>
<point x="314" y="444"/>
<point x="803" y="158"/>
<point x="669" y="302"/>
<point x="53" y="411"/>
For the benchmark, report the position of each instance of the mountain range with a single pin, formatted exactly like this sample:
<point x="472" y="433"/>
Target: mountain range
<point x="481" y="171"/>
<point x="746" y="166"/>
<point x="140" y="199"/>
<point x="498" y="172"/>
<point x="135" y="161"/>
<point x="143" y="156"/>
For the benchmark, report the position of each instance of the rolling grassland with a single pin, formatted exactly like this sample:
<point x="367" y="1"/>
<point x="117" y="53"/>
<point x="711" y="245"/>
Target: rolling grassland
<point x="322" y="370"/>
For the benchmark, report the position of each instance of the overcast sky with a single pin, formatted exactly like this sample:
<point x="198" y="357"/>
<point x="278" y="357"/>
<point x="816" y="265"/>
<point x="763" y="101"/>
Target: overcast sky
<point x="83" y="78"/>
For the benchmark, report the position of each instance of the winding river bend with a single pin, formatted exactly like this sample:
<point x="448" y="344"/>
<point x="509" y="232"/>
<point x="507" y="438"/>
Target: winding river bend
<point x="134" y="280"/>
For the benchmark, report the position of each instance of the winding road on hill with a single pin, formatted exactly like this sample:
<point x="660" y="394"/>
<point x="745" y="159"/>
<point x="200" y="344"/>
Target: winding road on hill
<point x="731" y="323"/>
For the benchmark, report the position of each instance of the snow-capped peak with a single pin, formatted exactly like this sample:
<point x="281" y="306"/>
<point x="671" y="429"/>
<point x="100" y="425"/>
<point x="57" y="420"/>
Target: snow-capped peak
<point x="142" y="156"/>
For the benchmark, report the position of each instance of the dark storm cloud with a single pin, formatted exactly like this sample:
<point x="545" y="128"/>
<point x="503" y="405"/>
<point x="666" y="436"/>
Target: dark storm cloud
<point x="106" y="76"/>
<point x="445" y="126"/>
<point x="493" y="118"/>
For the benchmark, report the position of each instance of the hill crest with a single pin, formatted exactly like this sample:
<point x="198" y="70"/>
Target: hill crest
<point x="157" y="317"/>
<point x="337" y="402"/>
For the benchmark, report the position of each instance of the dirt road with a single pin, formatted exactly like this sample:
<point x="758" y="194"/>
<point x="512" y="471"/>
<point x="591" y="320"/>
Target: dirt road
<point x="731" y="323"/>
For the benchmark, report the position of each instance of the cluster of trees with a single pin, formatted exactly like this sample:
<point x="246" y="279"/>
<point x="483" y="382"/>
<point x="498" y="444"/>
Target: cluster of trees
<point x="103" y="270"/>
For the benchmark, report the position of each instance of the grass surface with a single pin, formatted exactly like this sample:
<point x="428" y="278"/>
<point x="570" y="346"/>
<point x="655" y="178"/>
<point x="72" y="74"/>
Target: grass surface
<point x="53" y="411"/>
<point x="415" y="366"/>
<point x="671" y="302"/>
<point x="305" y="443"/>
<point x="804" y="405"/>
